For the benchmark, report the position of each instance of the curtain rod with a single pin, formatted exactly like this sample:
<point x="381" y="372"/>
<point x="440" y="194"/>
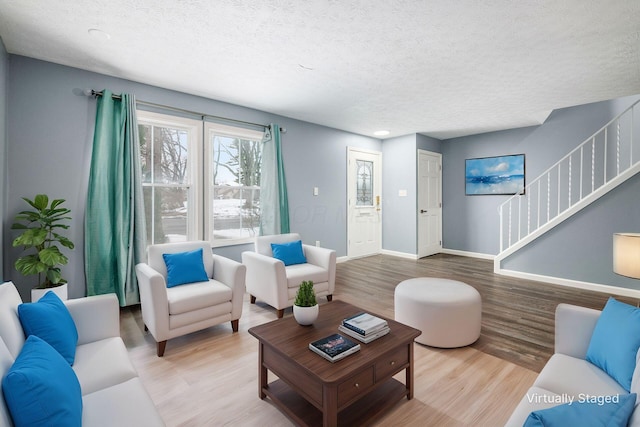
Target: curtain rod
<point x="91" y="92"/>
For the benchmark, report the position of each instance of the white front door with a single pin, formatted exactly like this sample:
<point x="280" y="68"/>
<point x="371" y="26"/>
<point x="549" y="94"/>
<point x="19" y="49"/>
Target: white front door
<point x="364" y="181"/>
<point x="429" y="203"/>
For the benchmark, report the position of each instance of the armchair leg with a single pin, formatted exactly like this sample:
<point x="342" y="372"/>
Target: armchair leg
<point x="161" y="346"/>
<point x="234" y="325"/>
<point x="145" y="328"/>
<point x="329" y="298"/>
<point x="280" y="313"/>
<point x="253" y="299"/>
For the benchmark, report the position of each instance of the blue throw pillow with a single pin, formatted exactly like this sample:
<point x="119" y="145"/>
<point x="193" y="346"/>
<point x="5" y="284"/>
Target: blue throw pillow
<point x="615" y="341"/>
<point x="185" y="267"/>
<point x="41" y="389"/>
<point x="290" y="253"/>
<point x="49" y="319"/>
<point x="591" y="411"/>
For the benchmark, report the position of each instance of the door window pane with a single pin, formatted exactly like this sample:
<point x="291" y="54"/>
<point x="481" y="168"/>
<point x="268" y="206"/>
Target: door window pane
<point x="364" y="183"/>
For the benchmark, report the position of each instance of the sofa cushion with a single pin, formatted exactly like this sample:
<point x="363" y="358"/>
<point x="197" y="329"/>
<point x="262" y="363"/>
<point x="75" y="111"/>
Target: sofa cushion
<point x="102" y="364"/>
<point x="604" y="411"/>
<point x="6" y="360"/>
<point x="41" y="389"/>
<point x="296" y="274"/>
<point x="50" y="320"/>
<point x="197" y="295"/>
<point x="185" y="267"/>
<point x="289" y="253"/>
<point x="125" y="404"/>
<point x="10" y="327"/>
<point x="634" y="421"/>
<point x="615" y="341"/>
<point x="192" y="321"/>
<point x="571" y="376"/>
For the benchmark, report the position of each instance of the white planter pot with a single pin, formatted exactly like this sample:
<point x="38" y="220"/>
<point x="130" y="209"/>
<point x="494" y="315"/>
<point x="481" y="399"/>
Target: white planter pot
<point x="306" y="315"/>
<point x="61" y="291"/>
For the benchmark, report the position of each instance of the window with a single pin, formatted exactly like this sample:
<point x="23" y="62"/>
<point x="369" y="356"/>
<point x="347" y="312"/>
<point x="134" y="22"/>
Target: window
<point x="234" y="156"/>
<point x="197" y="188"/>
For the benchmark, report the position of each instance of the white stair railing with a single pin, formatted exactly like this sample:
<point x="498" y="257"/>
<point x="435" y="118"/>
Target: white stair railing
<point x="603" y="161"/>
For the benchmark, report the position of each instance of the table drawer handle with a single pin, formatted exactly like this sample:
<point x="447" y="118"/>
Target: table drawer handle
<point x="393" y="362"/>
<point x="357" y="385"/>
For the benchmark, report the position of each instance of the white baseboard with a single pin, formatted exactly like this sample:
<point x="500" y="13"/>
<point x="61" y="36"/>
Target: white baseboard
<point x="597" y="287"/>
<point x="342" y="259"/>
<point x="399" y="254"/>
<point x="467" y="254"/>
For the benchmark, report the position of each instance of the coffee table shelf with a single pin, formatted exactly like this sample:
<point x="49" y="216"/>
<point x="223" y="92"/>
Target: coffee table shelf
<point x="362" y="412"/>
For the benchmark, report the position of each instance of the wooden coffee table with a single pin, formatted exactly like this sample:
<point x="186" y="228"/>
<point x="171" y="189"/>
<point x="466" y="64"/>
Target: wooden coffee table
<point x="312" y="391"/>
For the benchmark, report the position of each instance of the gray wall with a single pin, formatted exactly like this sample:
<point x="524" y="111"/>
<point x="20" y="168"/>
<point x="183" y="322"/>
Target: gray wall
<point x="49" y="142"/>
<point x="579" y="249"/>
<point x="399" y="213"/>
<point x="4" y="75"/>
<point x="400" y="172"/>
<point x="429" y="144"/>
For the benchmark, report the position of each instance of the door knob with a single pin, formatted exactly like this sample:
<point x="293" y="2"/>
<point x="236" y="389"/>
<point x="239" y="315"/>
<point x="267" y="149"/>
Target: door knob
<point x="423" y="211"/>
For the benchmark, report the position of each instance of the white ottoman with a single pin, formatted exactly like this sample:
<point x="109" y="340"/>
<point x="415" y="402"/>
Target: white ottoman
<point x="448" y="312"/>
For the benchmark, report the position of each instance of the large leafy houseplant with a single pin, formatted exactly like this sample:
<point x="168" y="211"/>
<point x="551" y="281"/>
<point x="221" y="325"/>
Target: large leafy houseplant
<point x="39" y="234"/>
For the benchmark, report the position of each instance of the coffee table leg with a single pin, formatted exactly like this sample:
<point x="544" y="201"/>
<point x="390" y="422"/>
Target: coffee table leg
<point x="409" y="373"/>
<point x="262" y="373"/>
<point x="330" y="406"/>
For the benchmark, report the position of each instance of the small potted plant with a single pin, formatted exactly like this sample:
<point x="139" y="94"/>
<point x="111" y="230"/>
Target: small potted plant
<point x="305" y="307"/>
<point x="39" y="235"/>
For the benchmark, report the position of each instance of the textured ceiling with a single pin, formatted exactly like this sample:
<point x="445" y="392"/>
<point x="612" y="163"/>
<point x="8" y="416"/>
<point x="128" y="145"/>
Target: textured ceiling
<point x="443" y="68"/>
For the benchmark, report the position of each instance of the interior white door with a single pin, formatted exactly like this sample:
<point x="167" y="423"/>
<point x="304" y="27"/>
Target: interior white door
<point x="429" y="203"/>
<point x="364" y="181"/>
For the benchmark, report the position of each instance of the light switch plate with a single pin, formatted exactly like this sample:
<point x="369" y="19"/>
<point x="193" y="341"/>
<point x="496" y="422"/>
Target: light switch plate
<point x="402" y="193"/>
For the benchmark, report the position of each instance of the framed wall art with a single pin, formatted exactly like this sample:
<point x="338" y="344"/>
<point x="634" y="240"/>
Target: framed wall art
<point x="494" y="175"/>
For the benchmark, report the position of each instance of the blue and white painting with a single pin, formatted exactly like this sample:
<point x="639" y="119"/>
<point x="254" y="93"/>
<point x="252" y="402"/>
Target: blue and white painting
<point x="494" y="175"/>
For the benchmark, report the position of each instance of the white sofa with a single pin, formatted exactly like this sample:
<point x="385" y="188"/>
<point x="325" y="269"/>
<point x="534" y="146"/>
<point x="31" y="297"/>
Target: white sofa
<point x="112" y="393"/>
<point x="568" y="374"/>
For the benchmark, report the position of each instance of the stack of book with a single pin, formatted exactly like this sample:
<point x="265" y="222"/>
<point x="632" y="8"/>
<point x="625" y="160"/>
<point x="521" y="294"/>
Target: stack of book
<point x="364" y="327"/>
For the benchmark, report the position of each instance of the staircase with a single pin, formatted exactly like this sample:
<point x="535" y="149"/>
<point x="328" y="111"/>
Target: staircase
<point x="602" y="162"/>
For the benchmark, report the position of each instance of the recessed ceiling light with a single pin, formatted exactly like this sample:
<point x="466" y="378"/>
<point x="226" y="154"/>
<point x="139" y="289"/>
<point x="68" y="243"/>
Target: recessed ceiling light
<point x="381" y="133"/>
<point x="99" y="34"/>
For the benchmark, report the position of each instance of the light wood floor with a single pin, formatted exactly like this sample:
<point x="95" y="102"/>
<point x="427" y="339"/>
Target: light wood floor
<point x="210" y="378"/>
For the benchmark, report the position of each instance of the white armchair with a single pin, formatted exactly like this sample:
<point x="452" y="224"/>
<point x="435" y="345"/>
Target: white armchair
<point x="171" y="312"/>
<point x="276" y="284"/>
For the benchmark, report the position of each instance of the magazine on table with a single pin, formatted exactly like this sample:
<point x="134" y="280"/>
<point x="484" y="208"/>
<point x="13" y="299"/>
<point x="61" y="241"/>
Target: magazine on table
<point x="364" y="338"/>
<point x="334" y="347"/>
<point x="364" y="323"/>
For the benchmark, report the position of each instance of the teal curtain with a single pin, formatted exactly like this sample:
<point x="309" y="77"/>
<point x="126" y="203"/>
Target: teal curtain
<point x="115" y="236"/>
<point x="274" y="205"/>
